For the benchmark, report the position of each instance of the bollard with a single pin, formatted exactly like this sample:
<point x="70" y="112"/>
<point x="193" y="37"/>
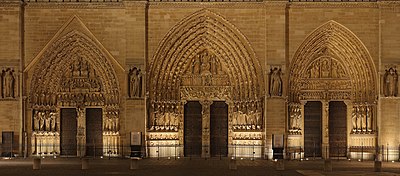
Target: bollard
<point x="85" y="163"/>
<point x="232" y="164"/>
<point x="328" y="165"/>
<point x="36" y="163"/>
<point x="377" y="166"/>
<point x="280" y="165"/>
<point x="134" y="164"/>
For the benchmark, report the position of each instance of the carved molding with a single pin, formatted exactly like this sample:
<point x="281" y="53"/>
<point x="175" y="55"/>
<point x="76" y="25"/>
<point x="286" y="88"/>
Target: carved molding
<point x="74" y="5"/>
<point x="333" y="5"/>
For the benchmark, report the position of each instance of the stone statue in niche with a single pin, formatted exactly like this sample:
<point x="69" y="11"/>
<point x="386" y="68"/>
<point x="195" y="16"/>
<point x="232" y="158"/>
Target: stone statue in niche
<point x="275" y="86"/>
<point x="135" y="82"/>
<point x="8" y="83"/>
<point x="390" y="82"/>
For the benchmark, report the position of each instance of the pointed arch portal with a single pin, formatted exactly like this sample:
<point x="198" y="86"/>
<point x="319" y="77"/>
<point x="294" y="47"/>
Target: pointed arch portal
<point x="74" y="94"/>
<point x="334" y="67"/>
<point x="203" y="58"/>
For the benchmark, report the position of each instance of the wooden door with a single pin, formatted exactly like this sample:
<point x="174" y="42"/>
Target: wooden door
<point x="192" y="129"/>
<point x="312" y="129"/>
<point x="337" y="129"/>
<point x="94" y="132"/>
<point x="68" y="131"/>
<point x="219" y="129"/>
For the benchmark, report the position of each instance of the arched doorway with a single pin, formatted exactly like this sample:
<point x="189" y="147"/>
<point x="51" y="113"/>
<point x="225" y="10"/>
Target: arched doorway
<point x="74" y="97"/>
<point x="333" y="67"/>
<point x="204" y="58"/>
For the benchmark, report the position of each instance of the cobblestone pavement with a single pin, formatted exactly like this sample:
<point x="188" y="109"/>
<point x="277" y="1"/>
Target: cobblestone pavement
<point x="191" y="167"/>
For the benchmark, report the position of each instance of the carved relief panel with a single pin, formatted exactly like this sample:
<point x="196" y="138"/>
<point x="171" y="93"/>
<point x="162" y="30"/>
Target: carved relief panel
<point x="205" y="69"/>
<point x="325" y="78"/>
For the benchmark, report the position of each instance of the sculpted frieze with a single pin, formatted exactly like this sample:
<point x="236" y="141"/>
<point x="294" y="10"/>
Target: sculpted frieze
<point x="206" y="92"/>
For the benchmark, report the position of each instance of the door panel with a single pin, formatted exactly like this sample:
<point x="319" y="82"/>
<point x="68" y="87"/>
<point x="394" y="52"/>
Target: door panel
<point x="68" y="131"/>
<point x="312" y="129"/>
<point x="94" y="132"/>
<point x="7" y="143"/>
<point x="192" y="131"/>
<point x="337" y="129"/>
<point x="219" y="129"/>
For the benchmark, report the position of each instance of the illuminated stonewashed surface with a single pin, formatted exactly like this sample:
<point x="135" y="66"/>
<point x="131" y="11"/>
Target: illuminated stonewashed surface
<point x="263" y="79"/>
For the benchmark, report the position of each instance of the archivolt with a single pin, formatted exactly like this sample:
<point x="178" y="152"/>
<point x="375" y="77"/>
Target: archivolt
<point x="344" y="46"/>
<point x="60" y="56"/>
<point x="204" y="30"/>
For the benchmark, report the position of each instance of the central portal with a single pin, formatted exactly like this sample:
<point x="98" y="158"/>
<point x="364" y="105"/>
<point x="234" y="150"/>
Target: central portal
<point x="219" y="129"/>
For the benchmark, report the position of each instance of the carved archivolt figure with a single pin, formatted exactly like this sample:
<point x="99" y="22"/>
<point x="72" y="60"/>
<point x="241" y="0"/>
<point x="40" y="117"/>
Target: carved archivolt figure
<point x="275" y="88"/>
<point x="390" y="84"/>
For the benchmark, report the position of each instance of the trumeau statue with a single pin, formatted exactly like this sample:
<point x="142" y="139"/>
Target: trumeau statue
<point x="390" y="82"/>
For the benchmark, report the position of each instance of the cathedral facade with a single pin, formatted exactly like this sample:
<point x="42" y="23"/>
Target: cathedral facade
<point x="200" y="78"/>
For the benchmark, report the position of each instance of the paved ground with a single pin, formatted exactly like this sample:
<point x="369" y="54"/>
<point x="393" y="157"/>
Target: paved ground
<point x="191" y="167"/>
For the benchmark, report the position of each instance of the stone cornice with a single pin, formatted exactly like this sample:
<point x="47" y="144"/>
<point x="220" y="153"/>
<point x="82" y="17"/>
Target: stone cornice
<point x="333" y="5"/>
<point x="10" y="4"/>
<point x="75" y="5"/>
<point x="389" y="4"/>
<point x="256" y="5"/>
<point x="141" y="4"/>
